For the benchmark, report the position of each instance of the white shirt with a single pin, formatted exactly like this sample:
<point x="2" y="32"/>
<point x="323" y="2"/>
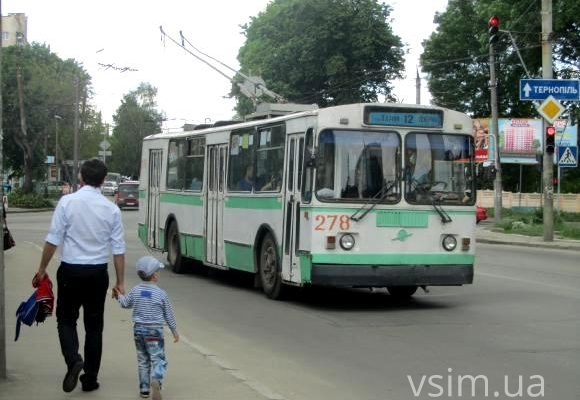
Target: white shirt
<point x="87" y="226"/>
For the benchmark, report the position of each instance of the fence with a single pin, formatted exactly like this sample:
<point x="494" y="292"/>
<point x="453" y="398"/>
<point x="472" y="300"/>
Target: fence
<point x="564" y="202"/>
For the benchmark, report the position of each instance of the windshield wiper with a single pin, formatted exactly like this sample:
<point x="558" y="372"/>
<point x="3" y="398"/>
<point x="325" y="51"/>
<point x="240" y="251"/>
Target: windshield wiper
<point x="445" y="218"/>
<point x="376" y="199"/>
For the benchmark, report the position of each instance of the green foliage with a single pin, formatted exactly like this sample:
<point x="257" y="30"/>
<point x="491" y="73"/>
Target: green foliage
<point x="135" y="119"/>
<point x="28" y="200"/>
<point x="566" y="224"/>
<point x="456" y="56"/>
<point x="49" y="87"/>
<point x="326" y="52"/>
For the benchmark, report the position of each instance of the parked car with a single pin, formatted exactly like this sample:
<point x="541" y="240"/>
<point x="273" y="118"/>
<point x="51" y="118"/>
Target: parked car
<point x="480" y="214"/>
<point x="127" y="194"/>
<point x="108" y="188"/>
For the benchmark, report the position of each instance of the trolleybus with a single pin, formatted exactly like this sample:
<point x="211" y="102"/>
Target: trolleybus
<point x="361" y="195"/>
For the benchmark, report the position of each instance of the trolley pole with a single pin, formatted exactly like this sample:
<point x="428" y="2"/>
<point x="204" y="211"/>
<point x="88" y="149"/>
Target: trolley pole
<point x="547" y="73"/>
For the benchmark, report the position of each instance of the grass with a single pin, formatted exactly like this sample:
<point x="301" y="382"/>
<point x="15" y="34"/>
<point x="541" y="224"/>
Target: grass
<point x="566" y="224"/>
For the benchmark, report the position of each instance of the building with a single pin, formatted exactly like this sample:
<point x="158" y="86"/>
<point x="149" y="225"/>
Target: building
<point x="14" y="29"/>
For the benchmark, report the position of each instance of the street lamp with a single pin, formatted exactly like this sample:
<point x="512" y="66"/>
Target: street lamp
<point x="56" y="118"/>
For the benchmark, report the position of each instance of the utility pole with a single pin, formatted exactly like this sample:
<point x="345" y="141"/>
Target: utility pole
<point x="497" y="186"/>
<point x="418" y="88"/>
<point x="56" y="118"/>
<point x="548" y="162"/>
<point x="76" y="137"/>
<point x="2" y="281"/>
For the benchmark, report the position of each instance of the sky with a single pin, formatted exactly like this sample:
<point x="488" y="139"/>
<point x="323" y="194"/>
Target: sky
<point x="125" y="35"/>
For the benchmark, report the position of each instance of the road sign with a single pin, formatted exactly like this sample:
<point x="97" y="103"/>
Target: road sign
<point x="104" y="145"/>
<point x="105" y="153"/>
<point x="568" y="156"/>
<point x="550" y="109"/>
<point x="540" y="89"/>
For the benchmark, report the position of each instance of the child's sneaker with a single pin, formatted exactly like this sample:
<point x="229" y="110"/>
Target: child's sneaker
<point x="156" y="388"/>
<point x="144" y="394"/>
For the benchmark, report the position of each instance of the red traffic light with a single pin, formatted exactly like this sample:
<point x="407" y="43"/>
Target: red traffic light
<point x="494" y="22"/>
<point x="550" y="130"/>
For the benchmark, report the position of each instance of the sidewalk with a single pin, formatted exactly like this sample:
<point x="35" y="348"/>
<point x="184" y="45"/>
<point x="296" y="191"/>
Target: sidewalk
<point x="35" y="366"/>
<point x="485" y="233"/>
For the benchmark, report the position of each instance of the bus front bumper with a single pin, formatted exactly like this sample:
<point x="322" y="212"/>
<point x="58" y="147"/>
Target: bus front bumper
<point x="391" y="275"/>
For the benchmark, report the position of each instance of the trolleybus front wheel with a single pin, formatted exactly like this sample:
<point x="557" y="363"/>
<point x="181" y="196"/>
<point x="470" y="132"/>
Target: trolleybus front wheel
<point x="269" y="268"/>
<point x="402" y="292"/>
<point x="174" y="249"/>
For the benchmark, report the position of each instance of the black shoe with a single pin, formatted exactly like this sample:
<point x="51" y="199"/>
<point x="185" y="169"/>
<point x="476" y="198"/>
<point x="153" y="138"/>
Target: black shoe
<point x="72" y="376"/>
<point x="89" y="384"/>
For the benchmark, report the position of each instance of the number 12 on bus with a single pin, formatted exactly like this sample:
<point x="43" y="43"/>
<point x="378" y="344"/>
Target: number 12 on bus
<point x="361" y="195"/>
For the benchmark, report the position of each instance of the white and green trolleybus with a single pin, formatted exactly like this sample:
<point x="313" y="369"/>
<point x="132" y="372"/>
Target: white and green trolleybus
<point x="361" y="195"/>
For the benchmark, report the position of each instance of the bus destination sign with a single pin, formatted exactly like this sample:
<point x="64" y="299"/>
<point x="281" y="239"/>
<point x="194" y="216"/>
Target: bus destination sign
<point x="408" y="117"/>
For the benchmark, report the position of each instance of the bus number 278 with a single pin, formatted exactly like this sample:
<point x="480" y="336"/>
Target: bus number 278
<point x="331" y="222"/>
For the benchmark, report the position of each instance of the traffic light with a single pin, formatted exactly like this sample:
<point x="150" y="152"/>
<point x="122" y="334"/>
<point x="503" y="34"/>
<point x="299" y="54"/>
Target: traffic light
<point x="550" y="139"/>
<point x="493" y="29"/>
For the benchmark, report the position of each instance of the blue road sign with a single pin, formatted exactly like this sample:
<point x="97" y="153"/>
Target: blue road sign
<point x="540" y="89"/>
<point x="567" y="156"/>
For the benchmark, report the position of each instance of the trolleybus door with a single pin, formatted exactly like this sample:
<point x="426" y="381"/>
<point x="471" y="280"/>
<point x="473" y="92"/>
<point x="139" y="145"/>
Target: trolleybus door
<point x="152" y="223"/>
<point x="215" y="203"/>
<point x="291" y="262"/>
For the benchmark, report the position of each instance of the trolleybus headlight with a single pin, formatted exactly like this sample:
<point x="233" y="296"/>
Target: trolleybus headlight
<point x="347" y="241"/>
<point x="449" y="243"/>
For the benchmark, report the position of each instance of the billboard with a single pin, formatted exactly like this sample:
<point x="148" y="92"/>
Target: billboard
<point x="520" y="139"/>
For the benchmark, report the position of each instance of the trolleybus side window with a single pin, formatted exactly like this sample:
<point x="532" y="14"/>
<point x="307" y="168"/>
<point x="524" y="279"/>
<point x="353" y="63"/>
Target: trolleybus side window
<point x="241" y="169"/>
<point x="306" y="180"/>
<point x="176" y="164"/>
<point x="270" y="158"/>
<point x="194" y="161"/>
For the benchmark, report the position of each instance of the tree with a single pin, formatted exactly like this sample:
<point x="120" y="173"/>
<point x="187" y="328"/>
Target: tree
<point x="326" y="52"/>
<point x="36" y="86"/>
<point x="456" y="56"/>
<point x="135" y="118"/>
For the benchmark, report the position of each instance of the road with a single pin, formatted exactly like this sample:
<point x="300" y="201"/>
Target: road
<point x="517" y="327"/>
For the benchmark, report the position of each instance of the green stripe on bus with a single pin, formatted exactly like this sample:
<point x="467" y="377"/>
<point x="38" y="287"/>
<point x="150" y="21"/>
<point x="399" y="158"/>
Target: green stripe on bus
<point x="409" y="219"/>
<point x="182" y="198"/>
<point x="241" y="256"/>
<point x="393" y="259"/>
<point x="193" y="246"/>
<point x="254" y="203"/>
<point x="305" y="268"/>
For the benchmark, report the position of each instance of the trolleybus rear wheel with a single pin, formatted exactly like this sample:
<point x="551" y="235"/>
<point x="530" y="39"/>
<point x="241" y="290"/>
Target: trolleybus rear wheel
<point x="174" y="249"/>
<point x="269" y="268"/>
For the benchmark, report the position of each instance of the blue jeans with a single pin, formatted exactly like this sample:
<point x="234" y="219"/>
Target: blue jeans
<point x="150" y="346"/>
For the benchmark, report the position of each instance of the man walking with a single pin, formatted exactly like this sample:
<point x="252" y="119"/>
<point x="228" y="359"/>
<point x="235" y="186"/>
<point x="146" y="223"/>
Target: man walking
<point x="88" y="228"/>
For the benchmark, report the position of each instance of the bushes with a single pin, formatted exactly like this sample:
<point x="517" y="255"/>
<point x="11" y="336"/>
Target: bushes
<point x="566" y="224"/>
<point x="29" y="200"/>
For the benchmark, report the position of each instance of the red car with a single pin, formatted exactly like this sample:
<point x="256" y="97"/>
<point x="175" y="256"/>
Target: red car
<point x="480" y="214"/>
<point x="127" y="194"/>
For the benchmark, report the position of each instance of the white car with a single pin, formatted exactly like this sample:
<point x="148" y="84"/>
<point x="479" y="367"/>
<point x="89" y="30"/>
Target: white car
<point x="108" y="188"/>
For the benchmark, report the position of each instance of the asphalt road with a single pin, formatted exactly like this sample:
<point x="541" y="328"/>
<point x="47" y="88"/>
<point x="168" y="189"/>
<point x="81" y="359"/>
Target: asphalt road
<point x="516" y="329"/>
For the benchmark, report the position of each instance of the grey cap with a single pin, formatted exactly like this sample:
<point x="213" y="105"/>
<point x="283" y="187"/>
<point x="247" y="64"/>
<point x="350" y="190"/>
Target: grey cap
<point x="149" y="265"/>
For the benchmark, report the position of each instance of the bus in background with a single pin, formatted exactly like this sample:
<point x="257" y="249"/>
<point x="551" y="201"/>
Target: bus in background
<point x="113" y="177"/>
<point x="361" y="195"/>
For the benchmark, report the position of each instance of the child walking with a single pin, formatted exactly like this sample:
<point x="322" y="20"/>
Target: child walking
<point x="152" y="309"/>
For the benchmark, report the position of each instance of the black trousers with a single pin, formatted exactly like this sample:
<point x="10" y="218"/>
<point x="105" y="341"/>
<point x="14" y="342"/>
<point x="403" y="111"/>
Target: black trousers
<point x="81" y="286"/>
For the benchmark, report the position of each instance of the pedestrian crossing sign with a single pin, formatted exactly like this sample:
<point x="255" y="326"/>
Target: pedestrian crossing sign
<point x="567" y="156"/>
